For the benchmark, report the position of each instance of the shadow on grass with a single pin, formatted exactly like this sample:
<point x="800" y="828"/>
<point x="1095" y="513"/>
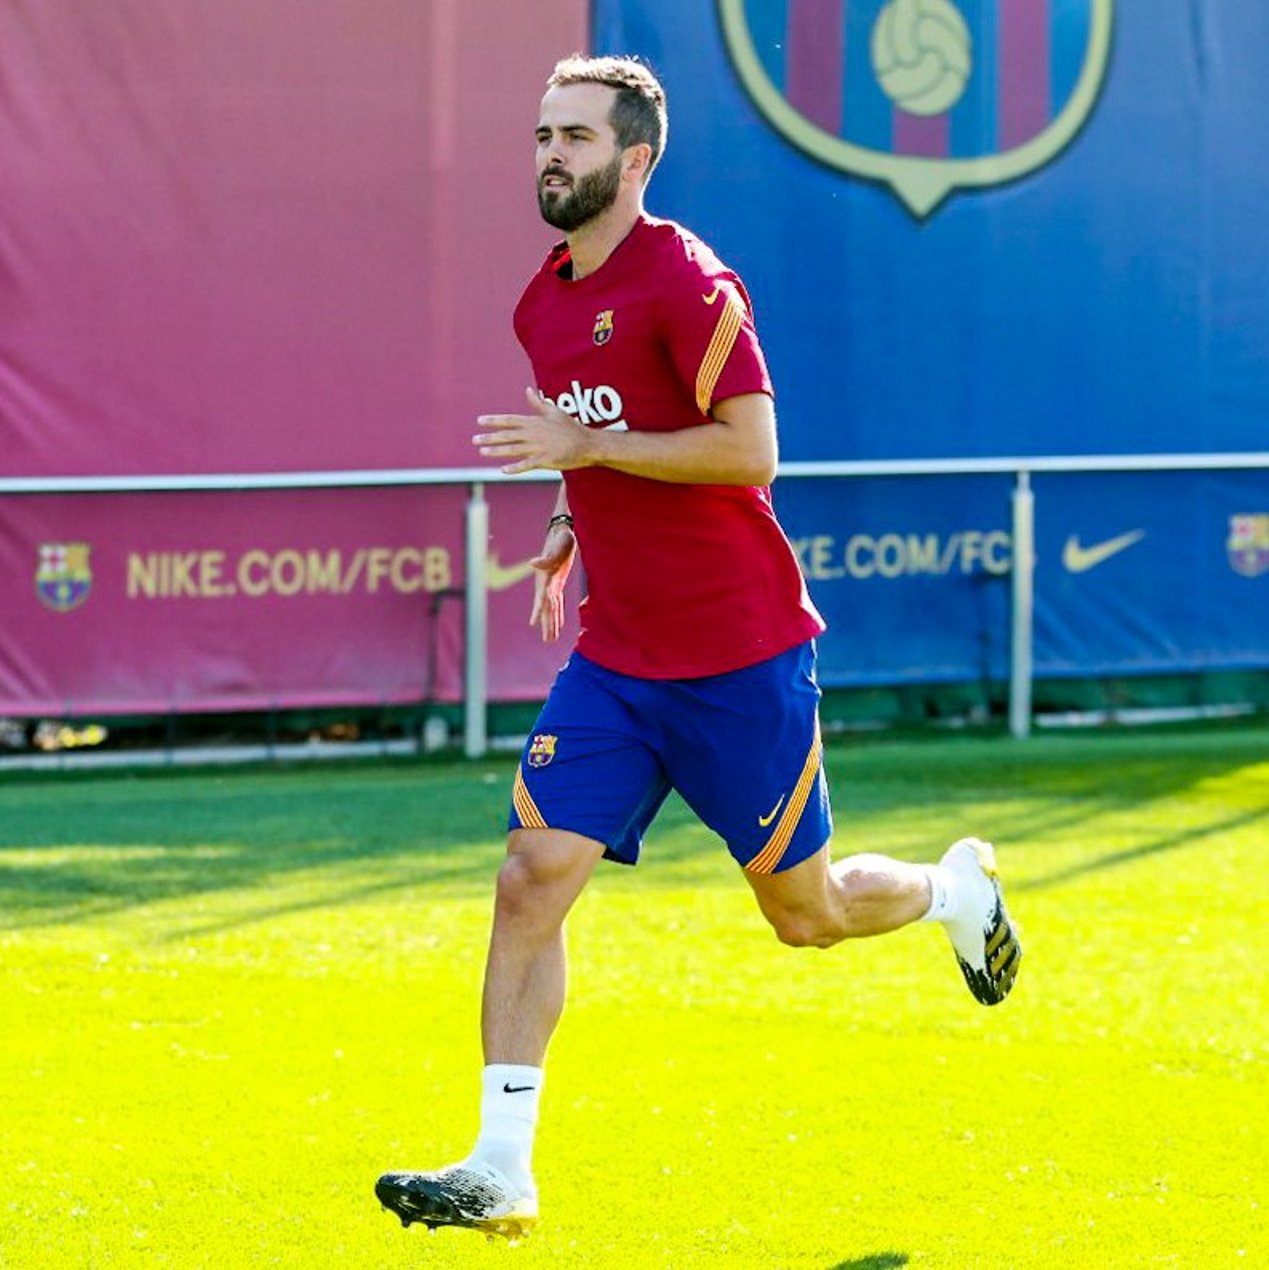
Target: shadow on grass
<point x="878" y="1261"/>
<point x="93" y="846"/>
<point x="77" y="846"/>
<point x="1100" y="863"/>
<point x="87" y="847"/>
<point x="1054" y="786"/>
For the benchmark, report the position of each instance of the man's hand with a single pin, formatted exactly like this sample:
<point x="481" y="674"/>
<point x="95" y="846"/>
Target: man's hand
<point x="547" y="438"/>
<point x="552" y="569"/>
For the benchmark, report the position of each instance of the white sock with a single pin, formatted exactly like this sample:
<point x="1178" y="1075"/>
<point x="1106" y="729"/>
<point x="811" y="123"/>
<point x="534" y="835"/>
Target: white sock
<point x="964" y="896"/>
<point x="944" y="894"/>
<point x="510" y="1095"/>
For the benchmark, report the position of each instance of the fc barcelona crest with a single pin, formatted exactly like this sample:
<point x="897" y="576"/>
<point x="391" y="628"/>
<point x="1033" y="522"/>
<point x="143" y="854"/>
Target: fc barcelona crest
<point x="925" y="95"/>
<point x="603" y="327"/>
<point x="542" y="751"/>
<point x="1248" y="544"/>
<point x="63" y="576"/>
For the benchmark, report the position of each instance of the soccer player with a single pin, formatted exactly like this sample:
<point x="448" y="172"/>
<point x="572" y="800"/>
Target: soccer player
<point x="695" y="666"/>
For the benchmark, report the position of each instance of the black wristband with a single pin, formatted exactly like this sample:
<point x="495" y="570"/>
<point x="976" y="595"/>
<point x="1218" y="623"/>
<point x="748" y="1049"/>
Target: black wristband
<point x="560" y="518"/>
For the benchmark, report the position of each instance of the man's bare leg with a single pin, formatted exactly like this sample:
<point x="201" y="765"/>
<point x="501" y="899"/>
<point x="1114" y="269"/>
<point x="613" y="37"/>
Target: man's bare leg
<point x="818" y="903"/>
<point x="525" y="984"/>
<point x="543" y="874"/>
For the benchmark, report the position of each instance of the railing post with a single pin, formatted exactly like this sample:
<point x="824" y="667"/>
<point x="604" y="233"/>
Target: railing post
<point x="1023" y="606"/>
<point x="476" y="624"/>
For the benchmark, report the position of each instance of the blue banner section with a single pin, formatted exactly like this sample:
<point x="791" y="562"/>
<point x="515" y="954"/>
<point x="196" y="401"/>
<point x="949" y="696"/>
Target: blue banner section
<point x="913" y="588"/>
<point x="1136" y="573"/>
<point x="1050" y="243"/>
<point x="1152" y="572"/>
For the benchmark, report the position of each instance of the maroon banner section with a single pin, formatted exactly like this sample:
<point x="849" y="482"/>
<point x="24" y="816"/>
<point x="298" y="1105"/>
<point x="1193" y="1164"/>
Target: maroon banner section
<point x="245" y="237"/>
<point x="238" y="236"/>
<point x="119" y="604"/>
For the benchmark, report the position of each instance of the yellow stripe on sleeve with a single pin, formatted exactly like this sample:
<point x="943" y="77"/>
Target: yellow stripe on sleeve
<point x="719" y="350"/>
<point x="526" y="808"/>
<point x="768" y="859"/>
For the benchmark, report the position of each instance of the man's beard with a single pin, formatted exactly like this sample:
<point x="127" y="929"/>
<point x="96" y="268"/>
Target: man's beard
<point x="590" y="196"/>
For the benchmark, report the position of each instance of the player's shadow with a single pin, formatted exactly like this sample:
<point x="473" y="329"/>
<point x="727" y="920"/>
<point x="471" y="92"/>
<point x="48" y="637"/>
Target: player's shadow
<point x="878" y="1261"/>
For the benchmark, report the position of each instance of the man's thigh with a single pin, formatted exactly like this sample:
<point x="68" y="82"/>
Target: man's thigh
<point x="589" y="765"/>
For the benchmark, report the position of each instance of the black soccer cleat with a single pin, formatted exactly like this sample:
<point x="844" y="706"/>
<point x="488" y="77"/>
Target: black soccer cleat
<point x="477" y="1197"/>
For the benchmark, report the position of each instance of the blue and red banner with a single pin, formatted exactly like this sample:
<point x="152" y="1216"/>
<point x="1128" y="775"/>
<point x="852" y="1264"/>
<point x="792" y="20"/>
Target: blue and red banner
<point x="245" y="237"/>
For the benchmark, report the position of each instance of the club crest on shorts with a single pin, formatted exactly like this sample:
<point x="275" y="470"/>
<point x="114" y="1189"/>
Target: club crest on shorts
<point x="603" y="327"/>
<point x="1248" y="544"/>
<point x="923" y="95"/>
<point x="63" y="576"/>
<point x="542" y="751"/>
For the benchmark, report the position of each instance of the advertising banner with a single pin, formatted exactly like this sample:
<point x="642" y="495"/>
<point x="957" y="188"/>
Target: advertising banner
<point x="249" y="238"/>
<point x="1135" y="573"/>
<point x="132" y="603"/>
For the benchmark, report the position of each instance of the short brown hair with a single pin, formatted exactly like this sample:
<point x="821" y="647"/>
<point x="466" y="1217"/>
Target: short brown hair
<point x="638" y="114"/>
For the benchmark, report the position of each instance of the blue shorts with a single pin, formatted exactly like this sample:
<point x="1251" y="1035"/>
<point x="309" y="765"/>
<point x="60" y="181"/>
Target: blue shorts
<point x="743" y="750"/>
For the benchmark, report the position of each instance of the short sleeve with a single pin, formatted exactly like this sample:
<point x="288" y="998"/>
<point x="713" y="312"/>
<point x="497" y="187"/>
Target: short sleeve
<point x="712" y="340"/>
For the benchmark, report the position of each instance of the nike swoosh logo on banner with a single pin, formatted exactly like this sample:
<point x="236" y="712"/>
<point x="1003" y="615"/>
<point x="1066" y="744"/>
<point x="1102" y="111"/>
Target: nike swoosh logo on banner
<point x="1079" y="559"/>
<point x="764" y="821"/>
<point x="713" y="295"/>
<point x="498" y="577"/>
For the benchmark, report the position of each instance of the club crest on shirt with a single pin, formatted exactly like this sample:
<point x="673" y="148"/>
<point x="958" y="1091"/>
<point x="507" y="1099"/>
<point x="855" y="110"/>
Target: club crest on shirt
<point x="603" y="327"/>
<point x="63" y="576"/>
<point x="542" y="751"/>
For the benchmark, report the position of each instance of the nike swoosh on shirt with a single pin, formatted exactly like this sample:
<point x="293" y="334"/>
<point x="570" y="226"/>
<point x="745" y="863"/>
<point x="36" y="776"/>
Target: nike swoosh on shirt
<point x="764" y="821"/>
<point x="1080" y="559"/>
<point x="498" y="577"/>
<point x="713" y="295"/>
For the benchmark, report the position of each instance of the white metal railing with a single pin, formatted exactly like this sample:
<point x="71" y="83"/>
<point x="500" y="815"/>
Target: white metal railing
<point x="476" y="628"/>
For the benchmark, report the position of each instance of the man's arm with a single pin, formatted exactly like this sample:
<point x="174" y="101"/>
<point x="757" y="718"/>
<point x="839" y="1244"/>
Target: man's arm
<point x="738" y="447"/>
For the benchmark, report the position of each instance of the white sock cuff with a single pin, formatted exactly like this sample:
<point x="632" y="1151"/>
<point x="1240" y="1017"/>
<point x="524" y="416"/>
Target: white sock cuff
<point x="510" y="1094"/>
<point x="942" y="903"/>
<point x="511" y="1089"/>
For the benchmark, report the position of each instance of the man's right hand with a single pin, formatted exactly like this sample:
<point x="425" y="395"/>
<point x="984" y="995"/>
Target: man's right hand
<point x="552" y="568"/>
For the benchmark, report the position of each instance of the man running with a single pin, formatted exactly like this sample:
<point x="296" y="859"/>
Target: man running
<point x="695" y="666"/>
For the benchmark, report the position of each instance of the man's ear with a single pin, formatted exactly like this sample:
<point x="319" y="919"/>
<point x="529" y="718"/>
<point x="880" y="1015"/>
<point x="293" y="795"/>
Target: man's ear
<point x="639" y="160"/>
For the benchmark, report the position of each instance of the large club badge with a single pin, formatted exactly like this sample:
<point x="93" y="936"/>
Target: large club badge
<point x="924" y="95"/>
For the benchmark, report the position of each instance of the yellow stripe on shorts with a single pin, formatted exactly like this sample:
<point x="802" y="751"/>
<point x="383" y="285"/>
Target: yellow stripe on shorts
<point x="526" y="808"/>
<point x="768" y="859"/>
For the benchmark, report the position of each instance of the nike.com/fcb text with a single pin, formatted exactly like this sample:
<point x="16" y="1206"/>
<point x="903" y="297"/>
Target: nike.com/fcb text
<point x="824" y="556"/>
<point x="166" y="575"/>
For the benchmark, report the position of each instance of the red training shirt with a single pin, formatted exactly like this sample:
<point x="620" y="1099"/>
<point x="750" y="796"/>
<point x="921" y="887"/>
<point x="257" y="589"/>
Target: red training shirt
<point x="682" y="580"/>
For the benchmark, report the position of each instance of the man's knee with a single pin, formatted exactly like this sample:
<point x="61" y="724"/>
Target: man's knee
<point x="800" y="928"/>
<point x="517" y="882"/>
<point x="543" y="873"/>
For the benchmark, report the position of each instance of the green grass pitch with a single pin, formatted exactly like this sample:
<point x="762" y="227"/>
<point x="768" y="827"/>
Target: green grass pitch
<point x="228" y="1000"/>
